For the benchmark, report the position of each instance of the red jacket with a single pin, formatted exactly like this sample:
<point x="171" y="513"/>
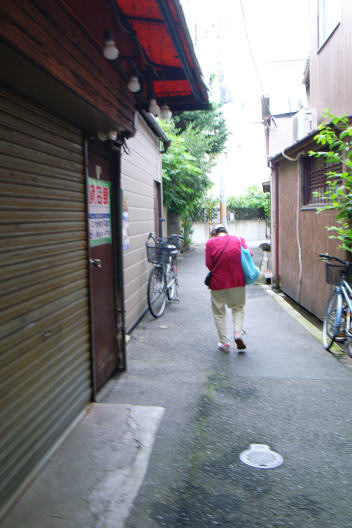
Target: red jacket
<point x="227" y="272"/>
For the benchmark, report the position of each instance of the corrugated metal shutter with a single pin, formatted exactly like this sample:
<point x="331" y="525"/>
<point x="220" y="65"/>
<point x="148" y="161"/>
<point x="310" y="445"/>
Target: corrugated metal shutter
<point x="45" y="374"/>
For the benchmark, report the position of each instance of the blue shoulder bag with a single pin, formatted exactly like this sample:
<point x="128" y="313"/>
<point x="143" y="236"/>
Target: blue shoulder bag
<point x="250" y="270"/>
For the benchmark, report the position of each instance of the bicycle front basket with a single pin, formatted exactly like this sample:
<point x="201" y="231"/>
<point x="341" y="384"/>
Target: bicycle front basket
<point x="153" y="254"/>
<point x="334" y="273"/>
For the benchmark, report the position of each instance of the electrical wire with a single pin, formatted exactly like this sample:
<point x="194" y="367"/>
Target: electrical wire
<point x="133" y="34"/>
<point x="250" y="48"/>
<point x="254" y="61"/>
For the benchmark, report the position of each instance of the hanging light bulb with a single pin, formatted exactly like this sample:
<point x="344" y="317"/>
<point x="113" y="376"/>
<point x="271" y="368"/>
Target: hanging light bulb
<point x="134" y="84"/>
<point x="165" y="112"/>
<point x="112" y="135"/>
<point x="102" y="136"/>
<point x="110" y="51"/>
<point x="154" y="108"/>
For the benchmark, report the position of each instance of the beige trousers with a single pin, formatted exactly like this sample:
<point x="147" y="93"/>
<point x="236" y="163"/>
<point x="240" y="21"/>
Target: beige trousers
<point x="235" y="299"/>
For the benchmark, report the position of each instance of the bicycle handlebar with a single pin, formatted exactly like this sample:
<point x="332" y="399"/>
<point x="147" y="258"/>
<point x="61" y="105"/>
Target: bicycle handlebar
<point x="176" y="236"/>
<point x="329" y="257"/>
<point x="165" y="241"/>
<point x="153" y="236"/>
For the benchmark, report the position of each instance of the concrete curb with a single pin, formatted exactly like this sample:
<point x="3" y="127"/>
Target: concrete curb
<point x="94" y="476"/>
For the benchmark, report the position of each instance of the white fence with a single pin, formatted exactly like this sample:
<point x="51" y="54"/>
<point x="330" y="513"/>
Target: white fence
<point x="250" y="230"/>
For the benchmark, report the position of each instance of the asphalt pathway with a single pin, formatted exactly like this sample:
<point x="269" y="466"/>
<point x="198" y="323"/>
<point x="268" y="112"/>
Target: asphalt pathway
<point x="285" y="392"/>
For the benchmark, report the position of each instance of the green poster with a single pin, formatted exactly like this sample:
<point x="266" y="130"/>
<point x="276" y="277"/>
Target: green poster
<point x="99" y="212"/>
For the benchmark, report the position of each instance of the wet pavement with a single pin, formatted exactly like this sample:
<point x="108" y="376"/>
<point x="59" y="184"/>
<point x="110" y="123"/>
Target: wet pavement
<point x="185" y="412"/>
<point x="285" y="392"/>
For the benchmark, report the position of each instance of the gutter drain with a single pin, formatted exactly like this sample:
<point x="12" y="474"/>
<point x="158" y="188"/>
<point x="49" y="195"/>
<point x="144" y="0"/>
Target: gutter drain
<point x="260" y="456"/>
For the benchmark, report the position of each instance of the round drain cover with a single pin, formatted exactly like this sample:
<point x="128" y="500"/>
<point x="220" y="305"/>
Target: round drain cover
<point x="260" y="456"/>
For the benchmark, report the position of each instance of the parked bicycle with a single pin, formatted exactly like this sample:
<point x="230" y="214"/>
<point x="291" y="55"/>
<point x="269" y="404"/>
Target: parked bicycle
<point x="163" y="284"/>
<point x="337" y="320"/>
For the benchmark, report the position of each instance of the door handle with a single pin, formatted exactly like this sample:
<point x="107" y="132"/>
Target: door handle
<point x="96" y="262"/>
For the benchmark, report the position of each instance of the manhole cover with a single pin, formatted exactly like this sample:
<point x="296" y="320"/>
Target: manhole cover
<point x="260" y="456"/>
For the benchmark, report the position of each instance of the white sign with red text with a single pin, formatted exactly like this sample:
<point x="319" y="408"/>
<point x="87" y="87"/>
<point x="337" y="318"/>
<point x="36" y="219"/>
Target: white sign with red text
<point x="99" y="212"/>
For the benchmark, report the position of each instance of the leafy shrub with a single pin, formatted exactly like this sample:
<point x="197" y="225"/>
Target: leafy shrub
<point x="335" y="139"/>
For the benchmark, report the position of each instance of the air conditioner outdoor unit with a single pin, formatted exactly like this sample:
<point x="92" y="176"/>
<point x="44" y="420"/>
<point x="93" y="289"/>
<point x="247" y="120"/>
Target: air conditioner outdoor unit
<point x="304" y="122"/>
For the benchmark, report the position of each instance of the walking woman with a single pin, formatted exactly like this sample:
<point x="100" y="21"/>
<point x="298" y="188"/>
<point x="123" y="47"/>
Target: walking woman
<point x="227" y="285"/>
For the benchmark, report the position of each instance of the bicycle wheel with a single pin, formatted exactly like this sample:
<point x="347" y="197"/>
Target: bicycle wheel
<point x="348" y="348"/>
<point x="173" y="289"/>
<point x="332" y="320"/>
<point x="156" y="292"/>
<point x="341" y="335"/>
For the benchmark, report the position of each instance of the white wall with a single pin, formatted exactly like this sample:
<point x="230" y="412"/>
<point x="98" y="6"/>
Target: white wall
<point x="139" y="169"/>
<point x="250" y="230"/>
<point x="281" y="135"/>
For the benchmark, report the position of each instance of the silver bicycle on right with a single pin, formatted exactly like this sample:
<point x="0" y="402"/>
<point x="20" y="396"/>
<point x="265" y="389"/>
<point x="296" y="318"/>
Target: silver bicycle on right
<point x="337" y="319"/>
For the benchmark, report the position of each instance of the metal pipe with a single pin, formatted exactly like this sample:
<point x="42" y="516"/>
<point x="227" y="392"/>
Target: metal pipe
<point x="120" y="298"/>
<point x="91" y="329"/>
<point x="275" y="225"/>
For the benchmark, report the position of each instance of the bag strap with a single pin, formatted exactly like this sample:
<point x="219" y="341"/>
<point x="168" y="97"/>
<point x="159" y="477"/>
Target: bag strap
<point x="223" y="249"/>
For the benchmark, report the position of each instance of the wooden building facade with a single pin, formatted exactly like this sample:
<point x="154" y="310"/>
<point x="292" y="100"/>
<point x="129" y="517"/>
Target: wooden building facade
<point x="67" y="123"/>
<point x="141" y="182"/>
<point x="299" y="232"/>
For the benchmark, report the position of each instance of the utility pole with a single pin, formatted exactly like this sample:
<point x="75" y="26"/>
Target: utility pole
<point x="223" y="174"/>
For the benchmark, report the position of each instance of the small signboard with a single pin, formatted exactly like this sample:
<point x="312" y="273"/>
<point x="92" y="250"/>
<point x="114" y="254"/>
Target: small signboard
<point x="125" y="231"/>
<point x="99" y="212"/>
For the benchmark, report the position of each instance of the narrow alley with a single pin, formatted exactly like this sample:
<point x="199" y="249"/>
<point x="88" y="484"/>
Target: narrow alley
<point x="285" y="392"/>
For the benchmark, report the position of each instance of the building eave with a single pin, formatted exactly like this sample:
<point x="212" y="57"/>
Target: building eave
<point x="156" y="129"/>
<point x="294" y="149"/>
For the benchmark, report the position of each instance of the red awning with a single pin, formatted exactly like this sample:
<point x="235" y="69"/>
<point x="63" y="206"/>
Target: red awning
<point x="169" y="62"/>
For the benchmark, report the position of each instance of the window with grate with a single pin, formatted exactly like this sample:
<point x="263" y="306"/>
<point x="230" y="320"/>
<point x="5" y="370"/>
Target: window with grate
<point x="314" y="173"/>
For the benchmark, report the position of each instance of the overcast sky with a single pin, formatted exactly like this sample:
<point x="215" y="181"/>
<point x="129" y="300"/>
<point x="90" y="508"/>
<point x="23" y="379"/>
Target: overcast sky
<point x="260" y="50"/>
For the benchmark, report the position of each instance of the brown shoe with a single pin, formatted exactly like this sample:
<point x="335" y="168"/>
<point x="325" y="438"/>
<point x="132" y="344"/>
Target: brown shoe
<point x="240" y="344"/>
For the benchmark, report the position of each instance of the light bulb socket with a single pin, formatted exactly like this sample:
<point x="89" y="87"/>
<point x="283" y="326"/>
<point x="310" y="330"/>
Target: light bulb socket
<point x="108" y="35"/>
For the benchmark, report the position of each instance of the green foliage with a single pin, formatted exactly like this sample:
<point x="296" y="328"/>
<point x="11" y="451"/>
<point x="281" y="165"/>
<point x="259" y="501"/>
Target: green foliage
<point x="210" y="124"/>
<point x="335" y="138"/>
<point x="203" y="208"/>
<point x="196" y="139"/>
<point x="208" y="127"/>
<point x="254" y="199"/>
<point x="254" y="204"/>
<point x="187" y="229"/>
<point x="184" y="180"/>
<point x="210" y="202"/>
